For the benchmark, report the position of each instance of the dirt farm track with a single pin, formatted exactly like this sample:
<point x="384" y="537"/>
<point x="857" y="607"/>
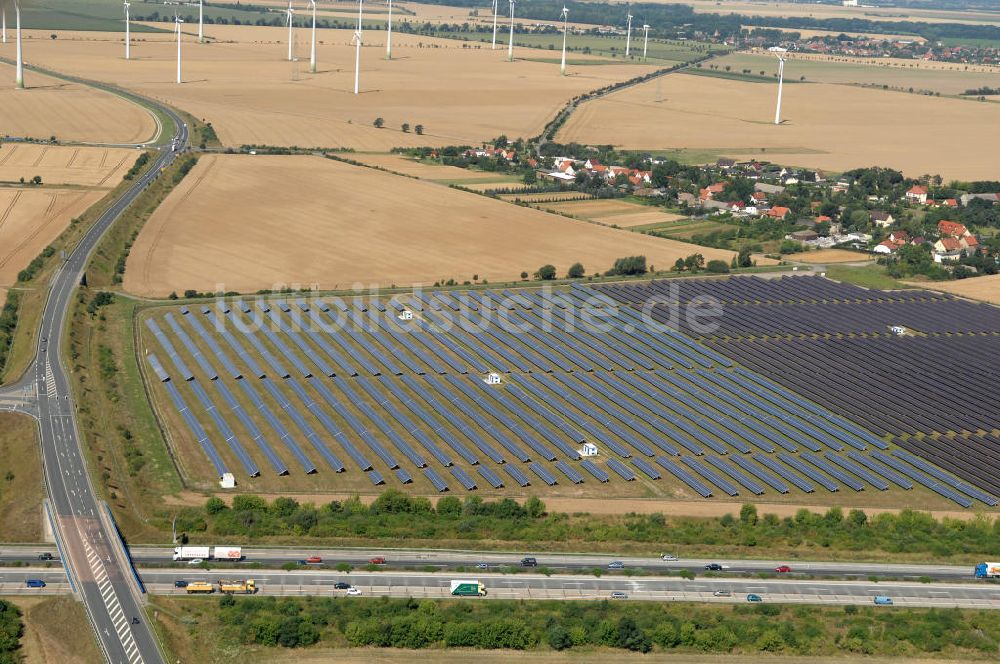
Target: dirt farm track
<point x="242" y="223"/>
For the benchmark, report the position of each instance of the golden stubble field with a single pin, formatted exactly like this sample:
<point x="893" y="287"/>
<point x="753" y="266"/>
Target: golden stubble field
<point x="251" y="222"/>
<point x="73" y="177"/>
<point x="826" y="126"/>
<point x="244" y="85"/>
<point x="65" y="165"/>
<point x="986" y="288"/>
<point x="68" y="111"/>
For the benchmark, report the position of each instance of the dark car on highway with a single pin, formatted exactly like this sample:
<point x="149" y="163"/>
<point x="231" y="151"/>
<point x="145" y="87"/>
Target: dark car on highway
<point x="529" y="562"/>
<point x="180" y="584"/>
<point x="341" y="585"/>
<point x="714" y="567"/>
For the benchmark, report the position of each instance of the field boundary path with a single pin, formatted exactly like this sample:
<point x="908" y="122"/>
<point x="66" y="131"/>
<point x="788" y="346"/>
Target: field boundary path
<point x="102" y="579"/>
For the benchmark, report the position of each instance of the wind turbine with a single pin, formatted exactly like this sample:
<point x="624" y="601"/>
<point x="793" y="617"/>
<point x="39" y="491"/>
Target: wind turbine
<point x="645" y="40"/>
<point x="312" y="50"/>
<point x="128" y="36"/>
<point x="201" y="21"/>
<point x="780" y="52"/>
<point x="357" y="52"/>
<point x="289" y="14"/>
<point x="19" y="76"/>
<point x="628" y="35"/>
<point x="5" y="22"/>
<point x="565" y="15"/>
<point x="177" y="21"/>
<point x="496" y="9"/>
<point x="510" y="43"/>
<point x="388" y="37"/>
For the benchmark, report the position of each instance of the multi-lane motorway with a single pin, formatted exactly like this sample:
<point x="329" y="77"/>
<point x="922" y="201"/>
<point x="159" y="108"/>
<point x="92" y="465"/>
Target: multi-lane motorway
<point x="563" y="587"/>
<point x="98" y="574"/>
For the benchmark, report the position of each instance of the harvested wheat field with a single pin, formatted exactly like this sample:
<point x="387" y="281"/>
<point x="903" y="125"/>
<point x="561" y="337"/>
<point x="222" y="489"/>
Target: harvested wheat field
<point x="244" y="85"/>
<point x="614" y="212"/>
<point x="30" y="218"/>
<point x="986" y="288"/>
<point x="70" y="112"/>
<point x="248" y="223"/>
<point x="825" y="126"/>
<point x="65" y="165"/>
<point x="831" y="256"/>
<point x="865" y="11"/>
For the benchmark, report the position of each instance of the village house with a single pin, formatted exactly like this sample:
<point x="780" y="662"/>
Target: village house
<point x="882" y="219"/>
<point x="917" y="194"/>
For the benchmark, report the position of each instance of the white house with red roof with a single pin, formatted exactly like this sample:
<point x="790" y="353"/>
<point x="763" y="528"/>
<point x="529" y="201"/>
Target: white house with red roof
<point x="917" y="194"/>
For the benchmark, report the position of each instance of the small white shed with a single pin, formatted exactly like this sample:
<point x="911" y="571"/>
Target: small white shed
<point x="588" y="450"/>
<point x="492" y="378"/>
<point x="405" y="314"/>
<point x="228" y="481"/>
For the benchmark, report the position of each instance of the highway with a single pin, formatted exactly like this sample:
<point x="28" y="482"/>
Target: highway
<point x="150" y="556"/>
<point x="562" y="587"/>
<point x="103" y="578"/>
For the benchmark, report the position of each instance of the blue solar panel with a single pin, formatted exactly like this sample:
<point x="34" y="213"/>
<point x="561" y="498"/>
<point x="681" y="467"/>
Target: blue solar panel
<point x="711" y="476"/>
<point x="307" y="430"/>
<point x="320" y="328"/>
<point x="199" y="359"/>
<point x="542" y="472"/>
<point x="881" y="469"/>
<point x="517" y="474"/>
<point x="490" y="477"/>
<point x="283" y="434"/>
<point x="227" y="433"/>
<point x="760" y="473"/>
<point x="243" y="306"/>
<point x="463" y="478"/>
<point x="154" y="362"/>
<point x="645" y="467"/>
<point x="222" y="306"/>
<point x="331" y="427"/>
<point x="307" y="350"/>
<point x="375" y="478"/>
<point x="255" y="433"/>
<point x="684" y="476"/>
<point x="858" y="471"/>
<point x="937" y="473"/>
<point x="241" y="352"/>
<point x="263" y="305"/>
<point x="923" y="480"/>
<point x="833" y="471"/>
<point x="569" y="471"/>
<point x="809" y="472"/>
<point x="784" y="472"/>
<point x="302" y="304"/>
<point x="721" y="465"/>
<point x="405" y="422"/>
<point x="269" y="359"/>
<point x="594" y="470"/>
<point x="403" y="476"/>
<point x="213" y="346"/>
<point x="356" y="425"/>
<point x="626" y="473"/>
<point x="178" y="362"/>
<point x="354" y="399"/>
<point x="436" y="426"/>
<point x="197" y="430"/>
<point x="435" y="479"/>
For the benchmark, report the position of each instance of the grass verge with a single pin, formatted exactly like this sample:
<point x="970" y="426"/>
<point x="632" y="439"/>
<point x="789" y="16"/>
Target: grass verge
<point x="21" y="489"/>
<point x="56" y="631"/>
<point x="868" y="276"/>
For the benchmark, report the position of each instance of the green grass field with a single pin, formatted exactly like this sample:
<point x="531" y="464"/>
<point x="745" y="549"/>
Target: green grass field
<point x="100" y="15"/>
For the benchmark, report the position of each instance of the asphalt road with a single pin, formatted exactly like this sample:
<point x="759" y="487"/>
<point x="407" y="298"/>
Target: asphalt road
<point x="567" y="587"/>
<point x="449" y="559"/>
<point x="103" y="578"/>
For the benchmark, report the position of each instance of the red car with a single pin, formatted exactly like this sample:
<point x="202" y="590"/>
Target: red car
<point x="783" y="569"/>
<point x="314" y="560"/>
<point x="377" y="560"/>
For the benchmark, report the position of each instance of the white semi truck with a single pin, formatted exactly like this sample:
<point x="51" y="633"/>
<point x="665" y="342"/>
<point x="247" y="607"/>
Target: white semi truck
<point x="232" y="553"/>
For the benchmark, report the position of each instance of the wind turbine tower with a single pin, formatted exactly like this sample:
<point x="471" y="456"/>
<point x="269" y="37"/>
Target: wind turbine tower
<point x="496" y="9"/>
<point x="510" y="42"/>
<point x="19" y="75"/>
<point x="565" y="15"/>
<point x="780" y="52"/>
<point x="289" y="15"/>
<point x="312" y="49"/>
<point x="201" y="21"/>
<point x="628" y="36"/>
<point x="388" y="36"/>
<point x="645" y="40"/>
<point x="128" y="35"/>
<point x="357" y="52"/>
<point x="5" y="21"/>
<point x="177" y="21"/>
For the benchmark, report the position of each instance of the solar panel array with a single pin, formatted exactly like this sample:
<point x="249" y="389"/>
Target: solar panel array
<point x="394" y="394"/>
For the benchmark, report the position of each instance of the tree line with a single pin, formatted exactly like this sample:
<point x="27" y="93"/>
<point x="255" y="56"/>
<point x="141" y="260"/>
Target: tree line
<point x="396" y="516"/>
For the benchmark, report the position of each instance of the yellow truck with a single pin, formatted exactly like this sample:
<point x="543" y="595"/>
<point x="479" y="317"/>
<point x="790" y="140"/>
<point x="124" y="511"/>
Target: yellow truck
<point x="247" y="587"/>
<point x="200" y="587"/>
